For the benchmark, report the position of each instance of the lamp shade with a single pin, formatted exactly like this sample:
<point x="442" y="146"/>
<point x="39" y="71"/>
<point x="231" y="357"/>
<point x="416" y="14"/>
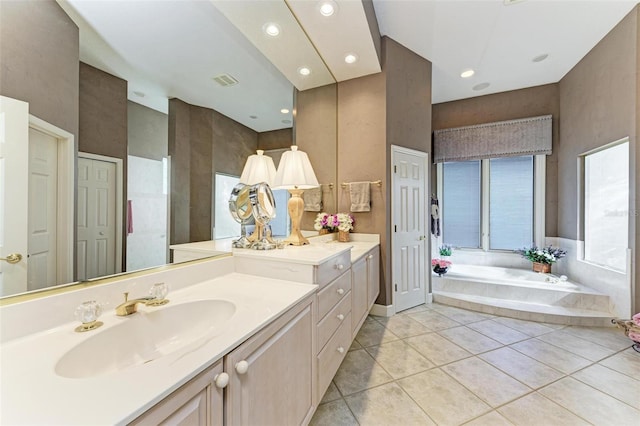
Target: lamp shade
<point x="295" y="171"/>
<point x="258" y="168"/>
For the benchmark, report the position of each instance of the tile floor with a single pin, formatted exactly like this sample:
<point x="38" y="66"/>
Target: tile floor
<point x="440" y="365"/>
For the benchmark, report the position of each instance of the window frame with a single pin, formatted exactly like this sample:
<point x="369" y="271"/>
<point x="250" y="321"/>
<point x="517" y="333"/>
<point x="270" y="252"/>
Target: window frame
<point x="581" y="219"/>
<point x="539" y="193"/>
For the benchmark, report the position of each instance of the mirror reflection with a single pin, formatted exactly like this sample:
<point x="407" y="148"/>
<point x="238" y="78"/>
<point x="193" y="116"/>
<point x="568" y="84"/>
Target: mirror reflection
<point x="168" y="108"/>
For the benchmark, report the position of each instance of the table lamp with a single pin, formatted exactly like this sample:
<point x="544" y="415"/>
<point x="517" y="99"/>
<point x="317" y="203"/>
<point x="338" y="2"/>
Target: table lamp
<point x="295" y="174"/>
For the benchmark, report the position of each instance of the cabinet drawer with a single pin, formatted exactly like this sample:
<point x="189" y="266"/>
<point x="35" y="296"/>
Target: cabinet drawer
<point x="332" y="268"/>
<point x="331" y="356"/>
<point x="331" y="294"/>
<point x="333" y="319"/>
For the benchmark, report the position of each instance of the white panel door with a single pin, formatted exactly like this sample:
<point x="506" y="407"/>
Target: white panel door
<point x="96" y="242"/>
<point x="43" y="204"/>
<point x="14" y="180"/>
<point x="409" y="232"/>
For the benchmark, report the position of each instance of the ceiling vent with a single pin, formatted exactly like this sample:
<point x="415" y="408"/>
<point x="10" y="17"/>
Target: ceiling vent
<point x="225" y="80"/>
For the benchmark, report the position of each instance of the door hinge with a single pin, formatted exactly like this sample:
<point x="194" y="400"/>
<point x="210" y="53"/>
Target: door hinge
<point x="396" y="288"/>
<point x="395" y="169"/>
<point x="395" y="228"/>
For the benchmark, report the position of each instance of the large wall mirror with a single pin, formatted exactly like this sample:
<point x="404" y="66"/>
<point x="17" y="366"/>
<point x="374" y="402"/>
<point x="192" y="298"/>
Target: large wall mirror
<point x="178" y="56"/>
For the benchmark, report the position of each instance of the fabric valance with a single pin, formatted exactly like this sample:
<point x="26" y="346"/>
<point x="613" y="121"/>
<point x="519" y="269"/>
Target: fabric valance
<point x="527" y="136"/>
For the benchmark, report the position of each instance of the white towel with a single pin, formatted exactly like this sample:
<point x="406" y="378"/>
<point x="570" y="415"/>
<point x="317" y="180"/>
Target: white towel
<point x="360" y="196"/>
<point x="312" y="199"/>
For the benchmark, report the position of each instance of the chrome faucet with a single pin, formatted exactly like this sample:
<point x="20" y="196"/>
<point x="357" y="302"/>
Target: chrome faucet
<point x="129" y="307"/>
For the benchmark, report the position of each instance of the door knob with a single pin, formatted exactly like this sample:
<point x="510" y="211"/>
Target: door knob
<point x="422" y="237"/>
<point x="12" y="258"/>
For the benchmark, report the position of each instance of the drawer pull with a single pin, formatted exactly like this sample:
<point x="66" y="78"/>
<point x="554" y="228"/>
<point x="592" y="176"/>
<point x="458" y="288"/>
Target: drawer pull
<point x="340" y="317"/>
<point x="340" y="349"/>
<point x="242" y="367"/>
<point x="370" y="257"/>
<point x="221" y="380"/>
<point x="339" y="266"/>
<point x="340" y="291"/>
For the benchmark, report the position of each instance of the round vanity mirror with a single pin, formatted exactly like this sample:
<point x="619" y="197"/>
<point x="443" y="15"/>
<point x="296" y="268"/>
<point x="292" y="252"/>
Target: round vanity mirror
<point x="241" y="211"/>
<point x="263" y="206"/>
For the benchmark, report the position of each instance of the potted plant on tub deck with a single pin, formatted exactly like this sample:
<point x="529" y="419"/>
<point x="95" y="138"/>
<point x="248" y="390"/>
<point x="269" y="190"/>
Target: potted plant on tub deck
<point x="542" y="257"/>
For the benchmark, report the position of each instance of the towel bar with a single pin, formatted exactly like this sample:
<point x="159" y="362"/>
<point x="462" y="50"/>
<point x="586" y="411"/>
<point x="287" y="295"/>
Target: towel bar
<point x="375" y="182"/>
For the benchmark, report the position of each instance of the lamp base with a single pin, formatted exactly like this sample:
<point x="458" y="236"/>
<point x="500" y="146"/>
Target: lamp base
<point x="295" y="206"/>
<point x="261" y="238"/>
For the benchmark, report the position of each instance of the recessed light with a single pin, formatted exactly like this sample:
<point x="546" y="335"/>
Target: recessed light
<point x="481" y="86"/>
<point x="284" y="111"/>
<point x="467" y="73"/>
<point x="351" y="58"/>
<point x="327" y="8"/>
<point x="304" y="71"/>
<point x="271" y="29"/>
<point x="540" y="58"/>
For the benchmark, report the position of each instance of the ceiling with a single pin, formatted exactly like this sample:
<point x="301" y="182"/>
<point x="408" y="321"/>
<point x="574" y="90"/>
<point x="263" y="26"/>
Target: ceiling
<point x="174" y="48"/>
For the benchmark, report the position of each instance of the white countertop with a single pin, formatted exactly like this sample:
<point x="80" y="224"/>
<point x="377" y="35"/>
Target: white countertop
<point x="32" y="393"/>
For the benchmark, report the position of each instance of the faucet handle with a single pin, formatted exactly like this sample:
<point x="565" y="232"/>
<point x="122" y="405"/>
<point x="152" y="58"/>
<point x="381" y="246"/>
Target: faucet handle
<point x="88" y="313"/>
<point x="158" y="292"/>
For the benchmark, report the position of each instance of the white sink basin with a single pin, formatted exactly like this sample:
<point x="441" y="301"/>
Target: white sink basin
<point x="144" y="337"/>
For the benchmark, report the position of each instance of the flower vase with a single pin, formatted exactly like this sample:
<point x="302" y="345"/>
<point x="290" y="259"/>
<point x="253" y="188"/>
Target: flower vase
<point x="343" y="236"/>
<point x="440" y="271"/>
<point x="543" y="268"/>
<point x="323" y="231"/>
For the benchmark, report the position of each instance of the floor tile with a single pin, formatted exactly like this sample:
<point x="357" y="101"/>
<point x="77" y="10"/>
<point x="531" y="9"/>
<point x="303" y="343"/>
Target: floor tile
<point x="609" y="337"/>
<point x="332" y="414"/>
<point x="386" y="405"/>
<point x="492" y="418"/>
<point x="626" y="362"/>
<point x="487" y="382"/>
<point x="359" y="371"/>
<point x="403" y="326"/>
<point x="437" y="349"/>
<point x="527" y="370"/>
<point x="566" y="340"/>
<point x="527" y="327"/>
<point x="551" y="355"/>
<point x="618" y="385"/>
<point x="373" y="333"/>
<point x="419" y="308"/>
<point x="355" y="345"/>
<point x="462" y="316"/>
<point x="445" y="400"/>
<point x="498" y="332"/>
<point x="399" y="359"/>
<point x="591" y="404"/>
<point x="535" y="410"/>
<point x="434" y="321"/>
<point x="470" y="340"/>
<point x="331" y="394"/>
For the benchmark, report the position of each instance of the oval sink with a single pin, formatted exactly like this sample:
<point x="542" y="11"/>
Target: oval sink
<point x="144" y="337"/>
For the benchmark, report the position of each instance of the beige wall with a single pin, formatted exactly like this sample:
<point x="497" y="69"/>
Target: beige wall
<point x="202" y="142"/>
<point x="148" y="132"/>
<point x="275" y="139"/>
<point x="599" y="101"/>
<point x="531" y="102"/>
<point x="48" y="76"/>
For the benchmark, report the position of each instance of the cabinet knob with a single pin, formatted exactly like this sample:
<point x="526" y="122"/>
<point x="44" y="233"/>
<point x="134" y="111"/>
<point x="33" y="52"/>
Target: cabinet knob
<point x="340" y="291"/>
<point x="340" y="349"/>
<point x="242" y="367"/>
<point x="370" y="257"/>
<point x="340" y="317"/>
<point x="221" y="380"/>
<point x="339" y="266"/>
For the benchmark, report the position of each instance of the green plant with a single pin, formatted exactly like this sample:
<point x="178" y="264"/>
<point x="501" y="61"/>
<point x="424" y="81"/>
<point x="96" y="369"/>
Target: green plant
<point x="445" y="250"/>
<point x="546" y="255"/>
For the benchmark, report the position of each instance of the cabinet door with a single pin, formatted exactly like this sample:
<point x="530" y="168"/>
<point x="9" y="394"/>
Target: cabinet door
<point x="271" y="374"/>
<point x="359" y="294"/>
<point x="373" y="275"/>
<point x="198" y="402"/>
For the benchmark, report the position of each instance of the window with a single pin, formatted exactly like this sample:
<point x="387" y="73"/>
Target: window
<point x="226" y="226"/>
<point x="606" y="206"/>
<point x="490" y="204"/>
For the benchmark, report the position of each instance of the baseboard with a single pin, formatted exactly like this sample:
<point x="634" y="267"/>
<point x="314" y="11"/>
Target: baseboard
<point x="430" y="298"/>
<point x="383" y="310"/>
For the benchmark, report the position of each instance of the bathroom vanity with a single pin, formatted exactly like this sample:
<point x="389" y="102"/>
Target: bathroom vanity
<point x="250" y="338"/>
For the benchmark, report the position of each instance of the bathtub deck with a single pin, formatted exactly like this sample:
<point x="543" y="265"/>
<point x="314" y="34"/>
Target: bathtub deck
<point x="570" y="305"/>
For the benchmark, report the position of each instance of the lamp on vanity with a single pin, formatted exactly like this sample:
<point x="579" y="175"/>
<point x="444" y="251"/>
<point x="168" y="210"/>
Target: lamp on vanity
<point x="259" y="172"/>
<point x="295" y="174"/>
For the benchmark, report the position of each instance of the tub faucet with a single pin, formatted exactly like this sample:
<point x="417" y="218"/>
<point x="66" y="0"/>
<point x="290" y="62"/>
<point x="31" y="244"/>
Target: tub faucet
<point x="129" y="307"/>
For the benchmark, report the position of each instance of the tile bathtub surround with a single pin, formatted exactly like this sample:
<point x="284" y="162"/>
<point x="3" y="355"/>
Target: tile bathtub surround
<point x="483" y="370"/>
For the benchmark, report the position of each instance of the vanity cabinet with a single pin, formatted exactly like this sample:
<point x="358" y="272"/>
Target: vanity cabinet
<point x="365" y="276"/>
<point x="199" y="402"/>
<point x="271" y="374"/>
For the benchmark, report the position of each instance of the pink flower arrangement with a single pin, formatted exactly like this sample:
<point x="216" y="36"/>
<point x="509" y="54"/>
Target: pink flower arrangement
<point x="635" y="335"/>
<point x="441" y="263"/>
